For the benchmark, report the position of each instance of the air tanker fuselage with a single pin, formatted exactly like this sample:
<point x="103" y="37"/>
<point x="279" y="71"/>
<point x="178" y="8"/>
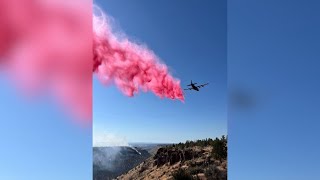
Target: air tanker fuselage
<point x="195" y="87"/>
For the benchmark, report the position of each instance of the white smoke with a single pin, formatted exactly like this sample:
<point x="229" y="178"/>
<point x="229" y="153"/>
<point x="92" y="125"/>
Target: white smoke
<point x="111" y="140"/>
<point x="136" y="150"/>
<point x="108" y="140"/>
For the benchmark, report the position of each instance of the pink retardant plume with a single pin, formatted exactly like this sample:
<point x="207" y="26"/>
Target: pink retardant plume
<point x="129" y="65"/>
<point x="46" y="46"/>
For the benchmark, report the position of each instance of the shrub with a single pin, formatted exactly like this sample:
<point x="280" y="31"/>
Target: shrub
<point x="182" y="175"/>
<point x="219" y="150"/>
<point x="196" y="170"/>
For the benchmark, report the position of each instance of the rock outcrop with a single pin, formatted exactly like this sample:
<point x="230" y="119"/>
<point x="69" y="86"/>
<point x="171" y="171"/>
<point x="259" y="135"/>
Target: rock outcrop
<point x="197" y="162"/>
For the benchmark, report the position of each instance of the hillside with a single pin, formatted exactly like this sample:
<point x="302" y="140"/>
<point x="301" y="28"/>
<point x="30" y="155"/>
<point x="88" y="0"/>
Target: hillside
<point x="203" y="159"/>
<point x="110" y="162"/>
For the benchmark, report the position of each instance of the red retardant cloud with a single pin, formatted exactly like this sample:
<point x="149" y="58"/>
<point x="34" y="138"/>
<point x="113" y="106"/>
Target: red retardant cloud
<point x="56" y="45"/>
<point x="129" y="65"/>
<point x="47" y="45"/>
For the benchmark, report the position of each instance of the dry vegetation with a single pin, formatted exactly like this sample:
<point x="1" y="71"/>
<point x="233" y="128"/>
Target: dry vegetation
<point x="202" y="159"/>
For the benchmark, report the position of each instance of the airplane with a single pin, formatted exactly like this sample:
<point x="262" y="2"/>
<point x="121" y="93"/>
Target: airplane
<point x="194" y="87"/>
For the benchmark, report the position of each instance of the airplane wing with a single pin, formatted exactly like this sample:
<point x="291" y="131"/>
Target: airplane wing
<point x="188" y="89"/>
<point x="202" y="85"/>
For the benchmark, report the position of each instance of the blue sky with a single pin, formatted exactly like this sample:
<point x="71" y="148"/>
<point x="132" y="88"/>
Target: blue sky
<point x="190" y="37"/>
<point x="273" y="52"/>
<point x="38" y="141"/>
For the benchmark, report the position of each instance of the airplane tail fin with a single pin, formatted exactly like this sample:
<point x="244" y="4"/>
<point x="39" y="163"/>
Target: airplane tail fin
<point x="193" y="83"/>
